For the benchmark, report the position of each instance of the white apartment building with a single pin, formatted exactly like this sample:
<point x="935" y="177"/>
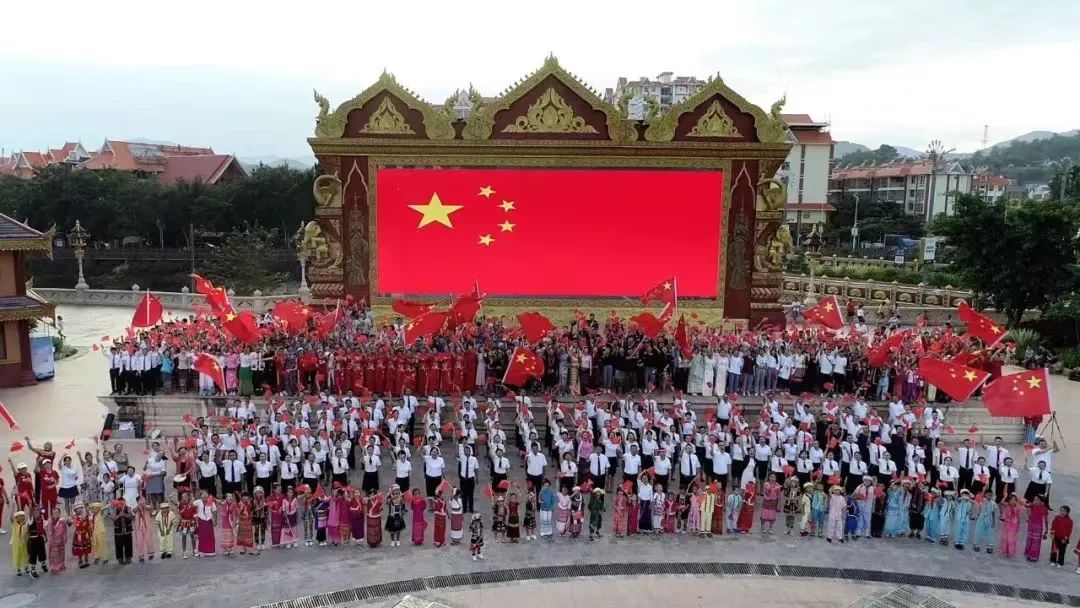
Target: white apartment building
<point x="667" y="89"/>
<point x="806" y="173"/>
<point x="906" y="183"/>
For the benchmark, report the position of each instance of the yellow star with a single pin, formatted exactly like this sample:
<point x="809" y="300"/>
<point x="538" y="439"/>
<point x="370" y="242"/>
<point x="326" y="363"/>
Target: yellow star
<point x="507" y="226"/>
<point x="507" y="205"/>
<point x="435" y="212"/>
<point x="969" y="375"/>
<point x="1034" y="382"/>
<point x="667" y="284"/>
<point x="486" y="240"/>
<point x="995" y="329"/>
<point x="230" y="316"/>
<point x="486" y="192"/>
<point x="828" y="307"/>
<point x="522" y="358"/>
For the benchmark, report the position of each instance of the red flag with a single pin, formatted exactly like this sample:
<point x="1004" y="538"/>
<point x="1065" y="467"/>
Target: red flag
<point x="441" y="228"/>
<point x="15" y="446"/>
<point x="524" y="364"/>
<point x="682" y="339"/>
<point x="328" y="322"/>
<point x="208" y="364"/>
<point x="293" y="313"/>
<point x="148" y="312"/>
<point x="424" y="326"/>
<point x="827" y="313"/>
<point x="879" y="355"/>
<point x="216" y="297"/>
<point x="980" y="325"/>
<point x="957" y="381"/>
<point x="649" y="324"/>
<point x="535" y="325"/>
<point x="462" y="311"/>
<point x="242" y="326"/>
<point x="8" y="418"/>
<point x="1023" y="394"/>
<point x="411" y="310"/>
<point x="662" y="292"/>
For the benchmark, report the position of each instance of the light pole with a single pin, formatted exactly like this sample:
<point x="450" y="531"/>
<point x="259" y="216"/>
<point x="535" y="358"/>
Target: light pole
<point x="813" y="255"/>
<point x="302" y="254"/>
<point x="78" y="237"/>
<point x="855" y="225"/>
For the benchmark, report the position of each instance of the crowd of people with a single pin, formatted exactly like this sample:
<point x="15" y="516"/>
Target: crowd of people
<point x="326" y="457"/>
<point x="337" y="470"/>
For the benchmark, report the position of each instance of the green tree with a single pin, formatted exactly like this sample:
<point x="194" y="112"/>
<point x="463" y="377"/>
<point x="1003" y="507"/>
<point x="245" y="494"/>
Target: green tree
<point x="1071" y="175"/>
<point x="1017" y="261"/>
<point x="245" y="261"/>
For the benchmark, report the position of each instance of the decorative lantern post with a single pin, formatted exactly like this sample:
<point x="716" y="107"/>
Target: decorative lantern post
<point x="78" y="237"/>
<point x="302" y="254"/>
<point x="813" y="257"/>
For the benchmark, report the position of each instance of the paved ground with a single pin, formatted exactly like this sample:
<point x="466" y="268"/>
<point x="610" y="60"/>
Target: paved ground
<point x="67" y="408"/>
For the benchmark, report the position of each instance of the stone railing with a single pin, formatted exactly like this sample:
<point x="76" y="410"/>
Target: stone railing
<point x="797" y="286"/>
<point x="184" y="300"/>
<point x="831" y="261"/>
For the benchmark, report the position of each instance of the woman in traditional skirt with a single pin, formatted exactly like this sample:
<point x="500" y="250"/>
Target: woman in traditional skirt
<point x="621" y="507"/>
<point x="227" y="521"/>
<point x="259" y="513"/>
<point x="145" y="532"/>
<point x="418" y="504"/>
<point x="290" y="521"/>
<point x="513" y="517"/>
<point x="57" y="541"/>
<point x="562" y="512"/>
<point x="81" y="536"/>
<point x="246" y="361"/>
<point x="245" y="530"/>
<point x="395" y="515"/>
<point x="577" y="513"/>
<point x="529" y="521"/>
<point x="671" y="514"/>
<point x="770" y="504"/>
<point x="645" y="499"/>
<point x="1037" y="528"/>
<point x="99" y="544"/>
<point x="746" y="514"/>
<point x="374" y="530"/>
<point x="498" y="518"/>
<point x="457" y="518"/>
<point x="438" y="507"/>
<point x="357" y="514"/>
<point x="186" y="525"/>
<point x="273" y="509"/>
<point x="341" y="505"/>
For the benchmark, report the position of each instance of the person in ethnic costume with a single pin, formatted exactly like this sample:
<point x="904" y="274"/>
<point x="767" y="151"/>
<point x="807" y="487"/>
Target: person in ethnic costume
<point x="529" y="520"/>
<point x="82" y="534"/>
<point x="457" y="518"/>
<point x="837" y="514"/>
<point x="986" y="518"/>
<point x="596" y="513"/>
<point x="165" y="521"/>
<point x="962" y="518"/>
<point x="476" y="537"/>
<point x="733" y="505"/>
<point x="57" y="541"/>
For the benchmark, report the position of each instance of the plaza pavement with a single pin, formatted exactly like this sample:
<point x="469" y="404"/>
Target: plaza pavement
<point x="67" y="408"/>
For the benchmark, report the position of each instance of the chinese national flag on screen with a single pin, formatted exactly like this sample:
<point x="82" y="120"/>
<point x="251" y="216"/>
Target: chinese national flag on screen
<point x="524" y="364"/>
<point x="957" y="381"/>
<point x="535" y="325"/>
<point x="148" y="312"/>
<point x="208" y="364"/>
<point x="424" y="325"/>
<point x="663" y="292"/>
<point x="547" y="232"/>
<point x="827" y="313"/>
<point x="980" y="325"/>
<point x="1019" y="395"/>
<point x="411" y="310"/>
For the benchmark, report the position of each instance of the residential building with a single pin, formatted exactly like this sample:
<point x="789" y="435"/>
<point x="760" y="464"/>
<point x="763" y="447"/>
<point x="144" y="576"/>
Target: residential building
<point x="912" y="184"/>
<point x="1038" y="192"/>
<point x="805" y="172"/>
<point x="667" y="89"/>
<point x="992" y="188"/>
<point x="168" y="163"/>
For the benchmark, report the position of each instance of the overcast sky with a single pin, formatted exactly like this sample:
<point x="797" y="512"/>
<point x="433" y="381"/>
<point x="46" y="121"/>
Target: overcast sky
<point x="238" y="75"/>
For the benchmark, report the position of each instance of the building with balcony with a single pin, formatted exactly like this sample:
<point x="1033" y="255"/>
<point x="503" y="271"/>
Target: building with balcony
<point x="992" y="188"/>
<point x="666" y="89"/>
<point x="914" y="185"/>
<point x="805" y="172"/>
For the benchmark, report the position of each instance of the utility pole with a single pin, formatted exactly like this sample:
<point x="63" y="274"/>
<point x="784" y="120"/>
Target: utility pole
<point x="855" y="226"/>
<point x="191" y="245"/>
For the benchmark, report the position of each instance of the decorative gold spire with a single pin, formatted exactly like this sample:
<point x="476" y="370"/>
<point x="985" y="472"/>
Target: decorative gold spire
<point x="386" y="119"/>
<point x="715" y="123"/>
<point x="549" y="114"/>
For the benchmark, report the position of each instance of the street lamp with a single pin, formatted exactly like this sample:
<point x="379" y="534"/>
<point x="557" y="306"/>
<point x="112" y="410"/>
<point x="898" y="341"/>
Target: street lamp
<point x="813" y="256"/>
<point x="78" y="237"/>
<point x="855" y="225"/>
<point x="302" y="254"/>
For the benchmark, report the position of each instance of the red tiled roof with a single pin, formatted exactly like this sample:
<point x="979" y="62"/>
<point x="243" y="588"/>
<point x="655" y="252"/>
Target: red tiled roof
<point x="891" y="170"/>
<point x="134" y="156"/>
<point x="797" y="119"/>
<point x="809" y="207"/>
<point x="990" y="180"/>
<point x="207" y="168"/>
<point x="806" y="136"/>
<point x="35" y="159"/>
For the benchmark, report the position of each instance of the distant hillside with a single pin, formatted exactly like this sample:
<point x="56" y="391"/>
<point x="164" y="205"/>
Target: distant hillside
<point x="300" y="164"/>
<point x="1034" y="136"/>
<point x="1030" y="160"/>
<point x="843" y="148"/>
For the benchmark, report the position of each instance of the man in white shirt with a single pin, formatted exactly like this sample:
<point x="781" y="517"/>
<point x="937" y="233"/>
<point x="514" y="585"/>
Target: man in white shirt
<point x="599" y="466"/>
<point x="535" y="464"/>
<point x="689" y="466"/>
<point x="234" y="474"/>
<point x="721" y="465"/>
<point x="995" y="459"/>
<point x="468" y="468"/>
<point x="631" y="466"/>
<point x="402" y="471"/>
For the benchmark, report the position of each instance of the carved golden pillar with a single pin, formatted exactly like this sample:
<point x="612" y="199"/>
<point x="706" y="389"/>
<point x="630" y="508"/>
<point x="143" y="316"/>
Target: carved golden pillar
<point x="772" y="242"/>
<point x="322" y="235"/>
